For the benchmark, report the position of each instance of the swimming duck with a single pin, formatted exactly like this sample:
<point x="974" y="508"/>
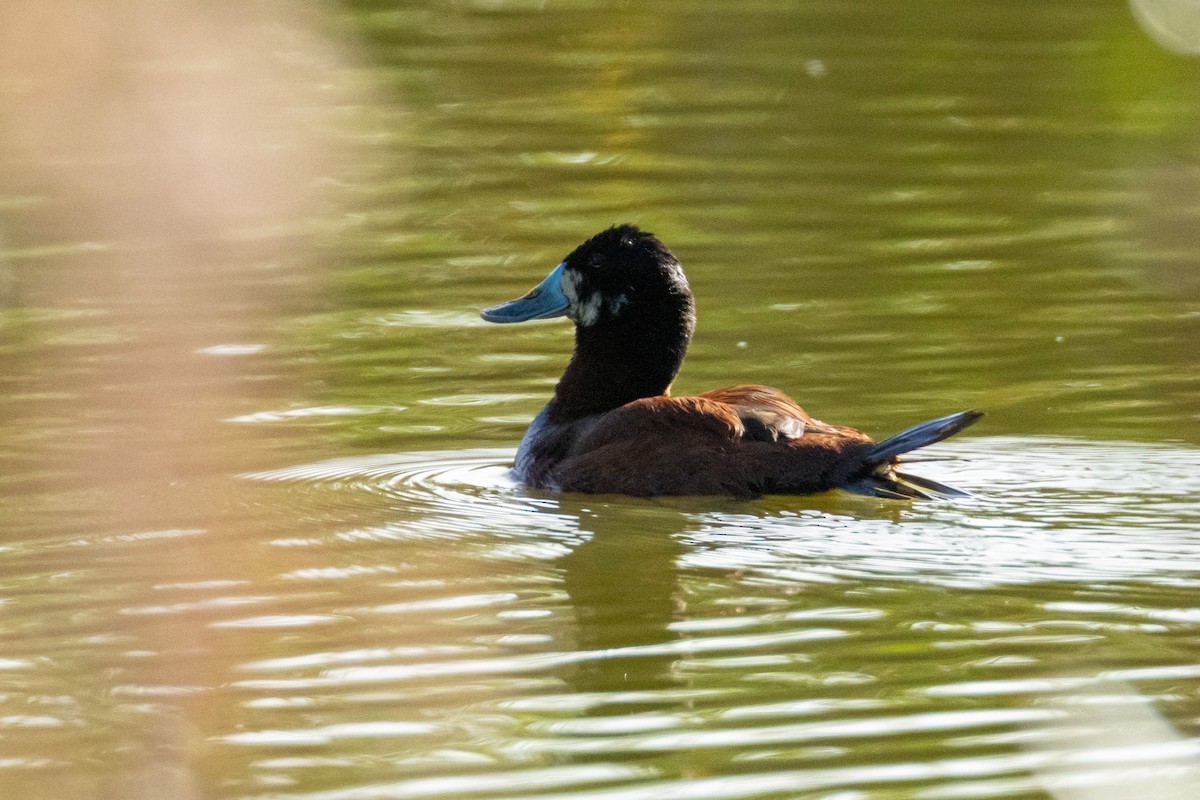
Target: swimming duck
<point x="613" y="426"/>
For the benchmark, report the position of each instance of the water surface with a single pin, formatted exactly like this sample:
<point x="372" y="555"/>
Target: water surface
<point x="260" y="539"/>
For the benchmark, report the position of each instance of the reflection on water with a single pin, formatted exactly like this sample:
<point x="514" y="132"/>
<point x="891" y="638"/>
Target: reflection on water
<point x="260" y="539"/>
<point x="625" y="593"/>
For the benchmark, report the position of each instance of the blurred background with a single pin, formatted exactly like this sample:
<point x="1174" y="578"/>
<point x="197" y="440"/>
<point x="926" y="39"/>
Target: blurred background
<point x="258" y="538"/>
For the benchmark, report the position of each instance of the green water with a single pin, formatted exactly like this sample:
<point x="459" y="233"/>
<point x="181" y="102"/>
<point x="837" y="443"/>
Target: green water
<point x="259" y="539"/>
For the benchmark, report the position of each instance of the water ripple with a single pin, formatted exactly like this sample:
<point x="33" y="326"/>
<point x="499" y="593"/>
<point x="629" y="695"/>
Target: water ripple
<point x="442" y="492"/>
<point x="830" y="645"/>
<point x="1045" y="509"/>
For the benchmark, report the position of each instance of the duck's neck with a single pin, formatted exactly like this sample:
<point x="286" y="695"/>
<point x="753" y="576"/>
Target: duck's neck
<point x="622" y="360"/>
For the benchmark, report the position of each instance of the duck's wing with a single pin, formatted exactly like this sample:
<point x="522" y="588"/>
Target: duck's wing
<point x="769" y="415"/>
<point x="704" y="445"/>
<point x="659" y="420"/>
<point x="748" y="413"/>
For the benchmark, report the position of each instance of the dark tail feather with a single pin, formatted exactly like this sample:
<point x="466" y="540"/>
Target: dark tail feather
<point x="884" y="481"/>
<point x="932" y="487"/>
<point x="902" y="486"/>
<point x="882" y="486"/>
<point x="935" y="430"/>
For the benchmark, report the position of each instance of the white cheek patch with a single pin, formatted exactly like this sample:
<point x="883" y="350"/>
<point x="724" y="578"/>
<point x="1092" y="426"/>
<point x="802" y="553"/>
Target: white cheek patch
<point x="570" y="288"/>
<point x="587" y="312"/>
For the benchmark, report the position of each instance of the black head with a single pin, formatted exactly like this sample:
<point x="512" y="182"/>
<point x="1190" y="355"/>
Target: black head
<point x="620" y="275"/>
<point x="633" y="316"/>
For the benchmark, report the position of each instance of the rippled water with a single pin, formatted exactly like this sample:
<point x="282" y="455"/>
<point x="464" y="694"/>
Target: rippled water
<point x="1044" y="509"/>
<point x="416" y="625"/>
<point x="259" y="537"/>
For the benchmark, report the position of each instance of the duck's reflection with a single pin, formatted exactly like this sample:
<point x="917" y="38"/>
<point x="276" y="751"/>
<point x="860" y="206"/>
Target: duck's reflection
<point x="623" y="585"/>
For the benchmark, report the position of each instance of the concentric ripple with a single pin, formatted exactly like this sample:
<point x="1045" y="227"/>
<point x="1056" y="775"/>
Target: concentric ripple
<point x="417" y="494"/>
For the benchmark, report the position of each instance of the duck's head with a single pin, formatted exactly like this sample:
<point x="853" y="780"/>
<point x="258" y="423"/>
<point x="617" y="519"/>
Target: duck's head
<point x="633" y="317"/>
<point x="620" y="277"/>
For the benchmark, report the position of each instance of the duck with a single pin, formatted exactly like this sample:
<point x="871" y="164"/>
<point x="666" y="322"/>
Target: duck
<point x="612" y="425"/>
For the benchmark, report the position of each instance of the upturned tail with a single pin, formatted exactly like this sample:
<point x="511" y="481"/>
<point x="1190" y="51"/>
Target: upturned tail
<point x="884" y="481"/>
